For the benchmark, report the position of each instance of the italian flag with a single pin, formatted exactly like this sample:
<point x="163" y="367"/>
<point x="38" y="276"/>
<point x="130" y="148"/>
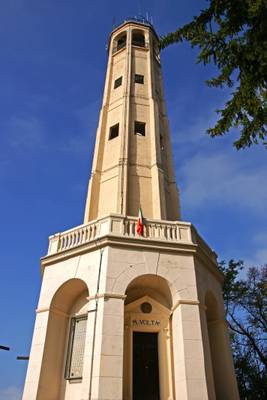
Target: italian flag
<point x="140" y="224"/>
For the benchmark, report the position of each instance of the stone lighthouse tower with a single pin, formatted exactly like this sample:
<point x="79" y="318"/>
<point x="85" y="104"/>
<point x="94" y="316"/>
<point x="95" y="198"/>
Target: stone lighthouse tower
<point x="123" y="316"/>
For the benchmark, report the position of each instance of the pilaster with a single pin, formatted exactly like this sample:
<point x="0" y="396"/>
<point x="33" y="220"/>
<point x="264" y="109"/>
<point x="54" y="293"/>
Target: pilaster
<point x="188" y="353"/>
<point x="31" y="386"/>
<point x="107" y="360"/>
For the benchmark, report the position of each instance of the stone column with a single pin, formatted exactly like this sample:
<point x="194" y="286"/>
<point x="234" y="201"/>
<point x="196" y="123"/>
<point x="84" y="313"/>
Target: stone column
<point x="222" y="360"/>
<point x="105" y="381"/>
<point x="88" y="351"/>
<point x="36" y="356"/>
<point x="188" y="354"/>
<point x="207" y="354"/>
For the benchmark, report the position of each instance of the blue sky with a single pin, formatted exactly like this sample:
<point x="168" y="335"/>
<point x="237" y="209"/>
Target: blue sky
<point x="52" y="70"/>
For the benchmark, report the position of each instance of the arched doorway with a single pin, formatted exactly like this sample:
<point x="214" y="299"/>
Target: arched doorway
<point x="147" y="340"/>
<point x="64" y="344"/>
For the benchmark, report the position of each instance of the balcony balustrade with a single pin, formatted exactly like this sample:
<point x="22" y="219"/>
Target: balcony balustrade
<point x="126" y="227"/>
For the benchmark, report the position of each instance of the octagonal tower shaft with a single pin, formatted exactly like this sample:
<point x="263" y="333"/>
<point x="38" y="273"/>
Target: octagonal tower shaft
<point x="132" y="163"/>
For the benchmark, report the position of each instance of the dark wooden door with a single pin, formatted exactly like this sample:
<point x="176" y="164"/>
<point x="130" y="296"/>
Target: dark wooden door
<point x="145" y="366"/>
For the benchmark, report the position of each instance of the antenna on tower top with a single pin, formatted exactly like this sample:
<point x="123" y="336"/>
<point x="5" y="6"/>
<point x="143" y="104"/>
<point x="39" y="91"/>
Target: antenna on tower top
<point x="139" y="8"/>
<point x="113" y="22"/>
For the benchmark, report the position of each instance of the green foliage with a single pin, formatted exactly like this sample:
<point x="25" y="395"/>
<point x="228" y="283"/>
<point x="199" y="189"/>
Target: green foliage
<point x="233" y="35"/>
<point x="246" y="312"/>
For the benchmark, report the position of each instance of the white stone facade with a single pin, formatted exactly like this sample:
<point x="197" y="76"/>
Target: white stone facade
<point x="104" y="270"/>
<point x="179" y="276"/>
<point x="132" y="169"/>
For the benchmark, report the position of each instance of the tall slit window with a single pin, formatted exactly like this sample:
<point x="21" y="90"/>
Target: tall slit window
<point x="139" y="79"/>
<point x="117" y="82"/>
<point x="139" y="128"/>
<point x="76" y="344"/>
<point x="113" y="131"/>
<point x="161" y="142"/>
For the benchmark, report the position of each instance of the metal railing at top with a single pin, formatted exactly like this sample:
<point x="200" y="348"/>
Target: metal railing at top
<point x="140" y="19"/>
<point x="120" y="46"/>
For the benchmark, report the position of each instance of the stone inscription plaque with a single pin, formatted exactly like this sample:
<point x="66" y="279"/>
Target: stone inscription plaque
<point x="145" y="322"/>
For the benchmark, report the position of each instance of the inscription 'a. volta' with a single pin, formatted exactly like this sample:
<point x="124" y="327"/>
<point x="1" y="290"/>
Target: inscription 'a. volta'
<point x="148" y="322"/>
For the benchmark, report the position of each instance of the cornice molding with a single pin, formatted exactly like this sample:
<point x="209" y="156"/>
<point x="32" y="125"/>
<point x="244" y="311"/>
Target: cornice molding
<point x="107" y="296"/>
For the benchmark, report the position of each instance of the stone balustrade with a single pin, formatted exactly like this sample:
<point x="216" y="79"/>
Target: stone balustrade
<point x="120" y="226"/>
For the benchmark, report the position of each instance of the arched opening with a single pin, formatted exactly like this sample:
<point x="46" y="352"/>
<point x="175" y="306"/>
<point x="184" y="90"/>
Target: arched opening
<point x="147" y="339"/>
<point x="215" y="348"/>
<point x="149" y="285"/>
<point x="138" y="38"/>
<point x="119" y="42"/>
<point x="63" y="350"/>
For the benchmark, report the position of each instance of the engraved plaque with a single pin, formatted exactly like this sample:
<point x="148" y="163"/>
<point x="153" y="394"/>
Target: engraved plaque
<point x="76" y="348"/>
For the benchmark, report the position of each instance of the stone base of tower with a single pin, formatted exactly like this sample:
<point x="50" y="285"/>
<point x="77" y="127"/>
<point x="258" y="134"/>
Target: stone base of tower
<point x="163" y="288"/>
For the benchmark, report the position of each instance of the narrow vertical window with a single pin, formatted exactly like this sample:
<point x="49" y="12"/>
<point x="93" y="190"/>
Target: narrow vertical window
<point x="74" y="364"/>
<point x="139" y="128"/>
<point x="139" y="79"/>
<point x="118" y="82"/>
<point x="113" y="131"/>
<point x="161" y="142"/>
